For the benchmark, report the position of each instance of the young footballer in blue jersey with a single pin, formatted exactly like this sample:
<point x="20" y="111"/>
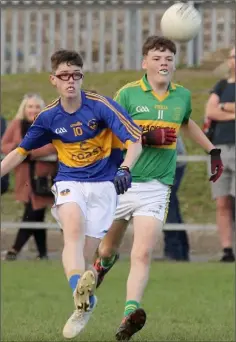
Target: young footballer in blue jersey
<point x="80" y="125"/>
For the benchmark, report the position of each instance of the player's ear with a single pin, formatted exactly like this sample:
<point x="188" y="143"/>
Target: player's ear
<point x="144" y="63"/>
<point x="174" y="67"/>
<point x="52" y="80"/>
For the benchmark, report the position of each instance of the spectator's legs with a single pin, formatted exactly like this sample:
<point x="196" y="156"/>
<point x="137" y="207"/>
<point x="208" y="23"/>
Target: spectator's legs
<point x="22" y="236"/>
<point x="224" y="219"/>
<point x="233" y="208"/>
<point x="222" y="192"/>
<point x="40" y="235"/>
<point x="4" y="184"/>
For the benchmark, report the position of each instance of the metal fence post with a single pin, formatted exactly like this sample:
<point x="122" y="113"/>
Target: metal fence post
<point x="135" y="38"/>
<point x="198" y="41"/>
<point x="3" y="42"/>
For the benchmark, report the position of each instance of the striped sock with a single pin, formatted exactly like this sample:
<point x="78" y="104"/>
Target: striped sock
<point x="130" y="306"/>
<point x="108" y="262"/>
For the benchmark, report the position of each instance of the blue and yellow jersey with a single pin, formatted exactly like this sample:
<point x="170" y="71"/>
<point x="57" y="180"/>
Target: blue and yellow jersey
<point x="89" y="142"/>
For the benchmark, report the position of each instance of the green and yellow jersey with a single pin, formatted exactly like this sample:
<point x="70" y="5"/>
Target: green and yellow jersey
<point x="149" y="111"/>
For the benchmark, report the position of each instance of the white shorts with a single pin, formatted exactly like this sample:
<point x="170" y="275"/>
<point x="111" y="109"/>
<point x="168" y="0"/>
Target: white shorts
<point x="97" y="201"/>
<point x="144" y="199"/>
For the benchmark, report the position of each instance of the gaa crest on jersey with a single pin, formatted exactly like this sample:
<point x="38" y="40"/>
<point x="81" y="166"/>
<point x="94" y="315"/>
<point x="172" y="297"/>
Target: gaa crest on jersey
<point x="177" y="113"/>
<point x="142" y="109"/>
<point x="93" y="124"/>
<point x="65" y="192"/>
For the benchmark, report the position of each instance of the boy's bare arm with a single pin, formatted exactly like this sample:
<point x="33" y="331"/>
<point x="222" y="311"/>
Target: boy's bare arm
<point x="12" y="160"/>
<point x="229" y="107"/>
<point x="134" y="151"/>
<point x="194" y="132"/>
<point x="215" y="112"/>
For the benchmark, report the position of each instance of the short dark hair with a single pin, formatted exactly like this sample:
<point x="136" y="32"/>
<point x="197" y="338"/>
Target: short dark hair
<point x="66" y="56"/>
<point x="158" y="43"/>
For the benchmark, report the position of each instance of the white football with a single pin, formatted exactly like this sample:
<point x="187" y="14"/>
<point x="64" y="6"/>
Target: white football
<point x="181" y="22"/>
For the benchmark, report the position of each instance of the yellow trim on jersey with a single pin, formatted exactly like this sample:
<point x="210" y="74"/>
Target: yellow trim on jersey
<point x="176" y="85"/>
<point x="128" y="143"/>
<point x="53" y="103"/>
<point x="50" y="106"/>
<point x="132" y="130"/>
<point x="22" y="151"/>
<point x="128" y="85"/>
<point x="116" y="143"/>
<point x="160" y="98"/>
<point x="84" y="153"/>
<point x="143" y="85"/>
<point x="148" y="125"/>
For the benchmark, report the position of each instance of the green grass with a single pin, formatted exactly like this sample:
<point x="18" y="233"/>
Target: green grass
<point x="195" y="197"/>
<point x="184" y="302"/>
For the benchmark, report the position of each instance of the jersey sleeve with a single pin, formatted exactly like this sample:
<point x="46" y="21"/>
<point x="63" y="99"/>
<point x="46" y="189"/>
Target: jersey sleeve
<point x="120" y="122"/>
<point x="188" y="110"/>
<point x="120" y="98"/>
<point x="37" y="136"/>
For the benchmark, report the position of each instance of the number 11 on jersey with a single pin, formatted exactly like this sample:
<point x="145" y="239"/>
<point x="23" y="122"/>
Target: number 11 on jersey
<point x="160" y="114"/>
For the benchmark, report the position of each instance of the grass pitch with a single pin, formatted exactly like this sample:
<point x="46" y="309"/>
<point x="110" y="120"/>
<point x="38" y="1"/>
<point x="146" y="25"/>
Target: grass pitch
<point x="184" y="302"/>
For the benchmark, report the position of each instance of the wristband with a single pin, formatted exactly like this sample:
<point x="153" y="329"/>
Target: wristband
<point x="215" y="152"/>
<point x="126" y="168"/>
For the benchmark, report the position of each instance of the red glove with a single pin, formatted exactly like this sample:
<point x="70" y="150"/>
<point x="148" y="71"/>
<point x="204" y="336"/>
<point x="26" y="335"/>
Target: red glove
<point x="216" y="165"/>
<point x="159" y="136"/>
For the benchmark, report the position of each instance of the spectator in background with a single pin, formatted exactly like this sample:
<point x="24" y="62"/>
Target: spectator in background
<point x="176" y="245"/>
<point x="32" y="178"/>
<point x="220" y="108"/>
<point x="5" y="179"/>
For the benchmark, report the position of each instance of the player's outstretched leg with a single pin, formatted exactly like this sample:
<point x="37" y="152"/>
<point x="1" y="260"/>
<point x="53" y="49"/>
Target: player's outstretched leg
<point x="131" y="324"/>
<point x="108" y="249"/>
<point x="81" y="281"/>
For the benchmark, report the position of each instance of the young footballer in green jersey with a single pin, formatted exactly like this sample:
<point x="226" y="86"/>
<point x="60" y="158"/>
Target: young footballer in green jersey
<point x="161" y="108"/>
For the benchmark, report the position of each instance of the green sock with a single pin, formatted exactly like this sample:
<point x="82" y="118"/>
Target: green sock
<point x="108" y="262"/>
<point x="130" y="306"/>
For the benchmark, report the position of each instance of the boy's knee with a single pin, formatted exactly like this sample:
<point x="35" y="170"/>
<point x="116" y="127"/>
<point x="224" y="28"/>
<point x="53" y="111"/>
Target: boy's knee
<point x="141" y="256"/>
<point x="223" y="204"/>
<point x="71" y="233"/>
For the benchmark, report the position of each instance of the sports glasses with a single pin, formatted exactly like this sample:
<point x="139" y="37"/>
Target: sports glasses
<point x="76" y="76"/>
